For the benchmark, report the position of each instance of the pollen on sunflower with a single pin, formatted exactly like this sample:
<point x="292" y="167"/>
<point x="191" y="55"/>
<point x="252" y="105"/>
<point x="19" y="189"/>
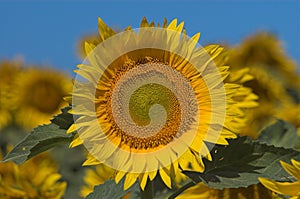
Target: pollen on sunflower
<point x="146" y="100"/>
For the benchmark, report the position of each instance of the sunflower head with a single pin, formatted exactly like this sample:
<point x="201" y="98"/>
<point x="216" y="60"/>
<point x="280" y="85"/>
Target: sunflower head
<point x="39" y="95"/>
<point x="146" y="100"/>
<point x="36" y="178"/>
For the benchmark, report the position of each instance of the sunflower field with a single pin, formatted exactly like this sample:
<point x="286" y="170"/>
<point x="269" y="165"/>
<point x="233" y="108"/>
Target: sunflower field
<point x="150" y="113"/>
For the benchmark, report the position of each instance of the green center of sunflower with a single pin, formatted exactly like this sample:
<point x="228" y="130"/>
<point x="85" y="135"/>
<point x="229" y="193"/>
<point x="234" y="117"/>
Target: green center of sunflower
<point x="145" y="98"/>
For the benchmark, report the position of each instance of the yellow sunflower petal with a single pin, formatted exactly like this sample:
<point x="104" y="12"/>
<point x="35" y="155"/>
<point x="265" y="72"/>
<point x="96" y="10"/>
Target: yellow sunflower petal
<point x="119" y="176"/>
<point x="285" y="188"/>
<point x="165" y="176"/>
<point x="104" y="31"/>
<point x="71" y="129"/>
<point x="130" y="180"/>
<point x="292" y="169"/>
<point x="76" y="142"/>
<point x="143" y="180"/>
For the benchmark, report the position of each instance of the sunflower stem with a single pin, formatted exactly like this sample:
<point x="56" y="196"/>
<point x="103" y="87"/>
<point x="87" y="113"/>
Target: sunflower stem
<point x="147" y="193"/>
<point x="181" y="189"/>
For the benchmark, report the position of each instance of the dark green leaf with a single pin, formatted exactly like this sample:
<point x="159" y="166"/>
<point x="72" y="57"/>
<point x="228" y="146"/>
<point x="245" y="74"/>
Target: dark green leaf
<point x="280" y="134"/>
<point x="42" y="138"/>
<point x="63" y="120"/>
<point x="110" y="190"/>
<point x="241" y="162"/>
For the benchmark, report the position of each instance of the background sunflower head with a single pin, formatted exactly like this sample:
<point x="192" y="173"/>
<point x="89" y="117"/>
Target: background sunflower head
<point x="275" y="79"/>
<point x="39" y="95"/>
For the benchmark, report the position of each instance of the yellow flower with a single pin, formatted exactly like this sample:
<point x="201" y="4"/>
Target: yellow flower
<point x="286" y="188"/>
<point x="39" y="95"/>
<point x="8" y="71"/>
<point x="272" y="71"/>
<point x="272" y="96"/>
<point x="150" y="98"/>
<point x="201" y="191"/>
<point x="36" y="178"/>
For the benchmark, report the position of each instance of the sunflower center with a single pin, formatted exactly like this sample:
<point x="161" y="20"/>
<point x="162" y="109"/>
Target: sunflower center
<point x="147" y="105"/>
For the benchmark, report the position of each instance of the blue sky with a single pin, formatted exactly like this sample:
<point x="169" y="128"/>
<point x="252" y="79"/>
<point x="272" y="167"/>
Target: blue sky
<point x="47" y="32"/>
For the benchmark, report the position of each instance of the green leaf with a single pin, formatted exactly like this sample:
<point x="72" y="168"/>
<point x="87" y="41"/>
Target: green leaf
<point x="241" y="162"/>
<point x="110" y="190"/>
<point x="63" y="120"/>
<point x="279" y="134"/>
<point x="42" y="138"/>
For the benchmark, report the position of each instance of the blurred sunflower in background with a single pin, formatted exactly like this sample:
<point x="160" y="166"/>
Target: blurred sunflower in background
<point x="140" y="66"/>
<point x="39" y="95"/>
<point x="275" y="79"/>
<point x="30" y="95"/>
<point x="36" y="178"/>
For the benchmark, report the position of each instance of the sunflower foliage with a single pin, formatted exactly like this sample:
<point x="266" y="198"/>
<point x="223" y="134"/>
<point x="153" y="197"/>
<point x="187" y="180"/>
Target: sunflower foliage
<point x="236" y="165"/>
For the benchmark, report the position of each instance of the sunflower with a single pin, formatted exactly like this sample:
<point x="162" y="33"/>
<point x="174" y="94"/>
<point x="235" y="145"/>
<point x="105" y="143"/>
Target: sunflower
<point x="286" y="188"/>
<point x="274" y="76"/>
<point x="39" y="95"/>
<point x="8" y="71"/>
<point x="36" y="178"/>
<point x="146" y="100"/>
<point x="273" y="97"/>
